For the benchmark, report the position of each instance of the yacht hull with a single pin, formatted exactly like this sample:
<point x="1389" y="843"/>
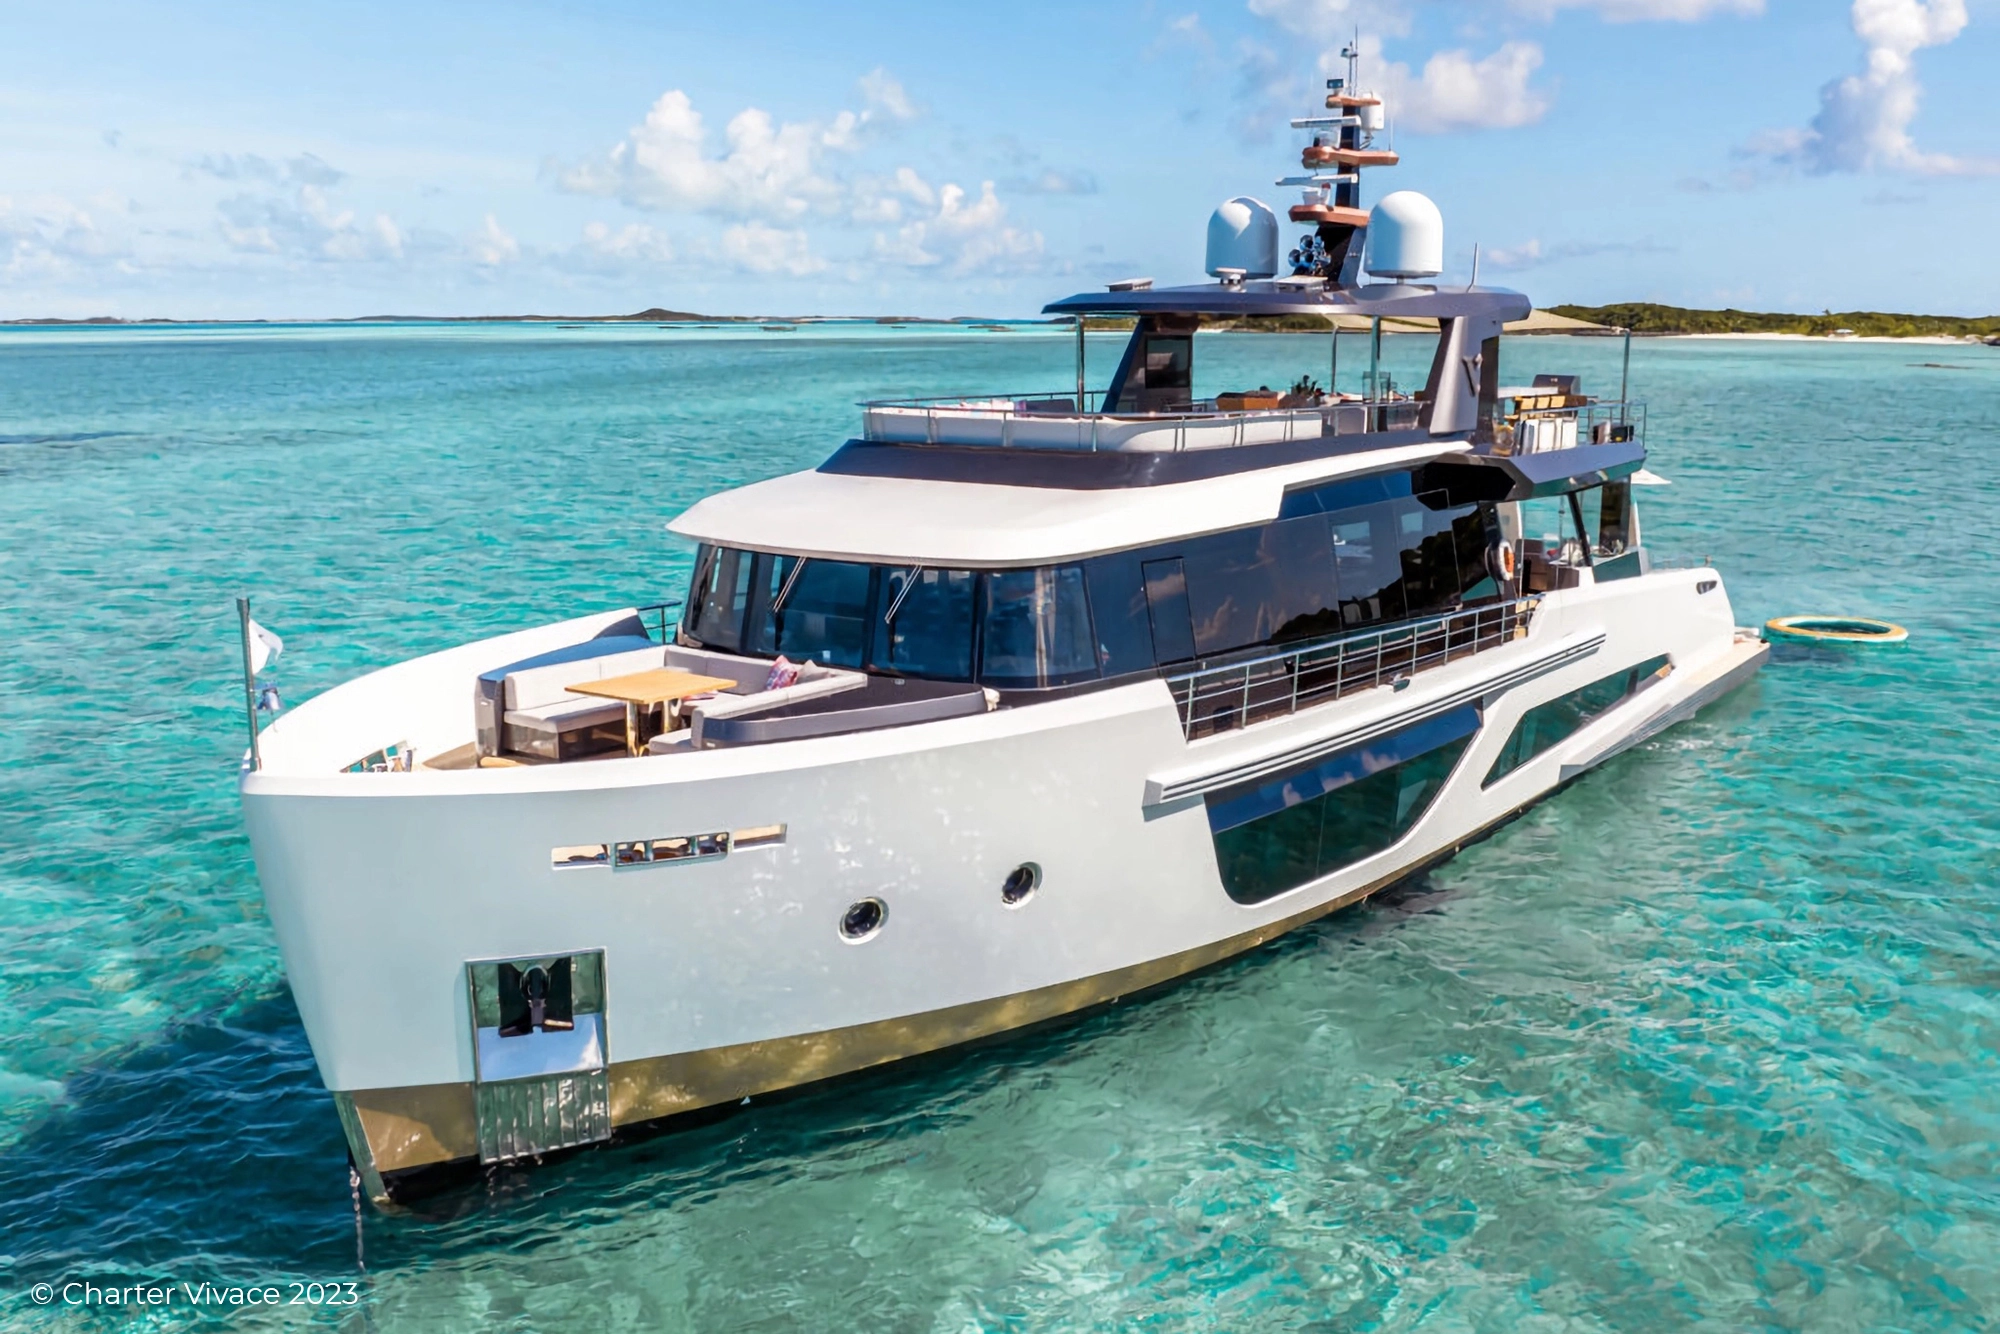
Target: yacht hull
<point x="728" y="977"/>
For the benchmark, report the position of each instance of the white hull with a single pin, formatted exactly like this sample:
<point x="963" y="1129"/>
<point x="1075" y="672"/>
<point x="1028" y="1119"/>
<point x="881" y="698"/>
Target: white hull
<point x="726" y="977"/>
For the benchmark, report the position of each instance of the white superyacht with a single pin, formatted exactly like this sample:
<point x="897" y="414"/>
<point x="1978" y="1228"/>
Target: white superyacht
<point x="1014" y="706"/>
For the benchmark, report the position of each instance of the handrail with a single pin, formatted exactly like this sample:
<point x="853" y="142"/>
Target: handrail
<point x="943" y="420"/>
<point x="1282" y="681"/>
<point x="659" y="610"/>
<point x="1596" y="423"/>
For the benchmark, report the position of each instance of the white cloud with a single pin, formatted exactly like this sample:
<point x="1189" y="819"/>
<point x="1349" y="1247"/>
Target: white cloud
<point x="1643" y="11"/>
<point x="1532" y="253"/>
<point x="1335" y="20"/>
<point x="881" y="93"/>
<point x="305" y="169"/>
<point x="1522" y="256"/>
<point x="664" y="164"/>
<point x="961" y="235"/>
<point x="1864" y="119"/>
<point x="492" y="246"/>
<point x="756" y="247"/>
<point x="634" y="242"/>
<point x="1055" y="181"/>
<point x="305" y="224"/>
<point x="52" y="237"/>
<point x="1455" y="91"/>
<point x="765" y="170"/>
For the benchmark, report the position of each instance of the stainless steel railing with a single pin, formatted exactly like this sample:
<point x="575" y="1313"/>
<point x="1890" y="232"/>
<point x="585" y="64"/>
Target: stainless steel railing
<point x="1270" y="685"/>
<point x="1533" y="430"/>
<point x="942" y="417"/>
<point x="659" y="619"/>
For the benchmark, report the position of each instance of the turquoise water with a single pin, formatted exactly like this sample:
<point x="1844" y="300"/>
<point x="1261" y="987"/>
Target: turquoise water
<point x="1711" y="1037"/>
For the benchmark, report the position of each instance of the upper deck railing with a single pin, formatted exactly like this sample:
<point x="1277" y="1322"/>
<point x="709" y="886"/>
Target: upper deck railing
<point x="1054" y="420"/>
<point x="1533" y="428"/>
<point x="1271" y="685"/>
<point x="660" y="619"/>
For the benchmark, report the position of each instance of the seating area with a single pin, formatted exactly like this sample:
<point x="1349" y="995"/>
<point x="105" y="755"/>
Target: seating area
<point x="528" y="711"/>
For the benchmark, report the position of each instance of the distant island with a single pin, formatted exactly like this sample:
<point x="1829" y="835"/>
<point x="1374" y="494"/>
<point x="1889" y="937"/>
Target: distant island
<point x="652" y="315"/>
<point x="1646" y="317"/>
<point x="1641" y="317"/>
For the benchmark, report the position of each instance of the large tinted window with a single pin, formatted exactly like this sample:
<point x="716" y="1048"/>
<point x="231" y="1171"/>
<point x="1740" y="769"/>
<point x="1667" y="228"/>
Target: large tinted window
<point x="1037" y="629"/>
<point x="925" y="628"/>
<point x="1262" y="585"/>
<point x="1277" y="834"/>
<point x="1118" y="613"/>
<point x="1171" y="623"/>
<point x="811" y="609"/>
<point x="1368" y="564"/>
<point x="1561" y="718"/>
<point x="718" y="598"/>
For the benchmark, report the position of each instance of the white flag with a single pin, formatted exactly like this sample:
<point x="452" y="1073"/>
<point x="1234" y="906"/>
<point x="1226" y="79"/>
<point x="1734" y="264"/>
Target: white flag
<point x="265" y="648"/>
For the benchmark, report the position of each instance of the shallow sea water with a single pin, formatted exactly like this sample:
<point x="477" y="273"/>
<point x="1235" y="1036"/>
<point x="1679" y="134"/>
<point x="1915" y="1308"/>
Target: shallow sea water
<point x="1711" y="1037"/>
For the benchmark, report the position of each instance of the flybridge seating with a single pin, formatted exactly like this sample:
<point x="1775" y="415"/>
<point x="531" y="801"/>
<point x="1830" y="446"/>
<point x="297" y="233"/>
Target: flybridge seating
<point x="1551" y="414"/>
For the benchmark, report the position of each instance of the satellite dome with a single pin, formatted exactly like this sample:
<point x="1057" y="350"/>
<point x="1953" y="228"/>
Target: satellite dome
<point x="1243" y="236"/>
<point x="1405" y="237"/>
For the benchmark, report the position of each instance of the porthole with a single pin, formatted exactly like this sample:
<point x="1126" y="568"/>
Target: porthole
<point x="1020" y="884"/>
<point x="863" y="920"/>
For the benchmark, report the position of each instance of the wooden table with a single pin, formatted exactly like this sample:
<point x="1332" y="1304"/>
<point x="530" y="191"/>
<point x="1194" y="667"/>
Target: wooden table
<point x="658" y="685"/>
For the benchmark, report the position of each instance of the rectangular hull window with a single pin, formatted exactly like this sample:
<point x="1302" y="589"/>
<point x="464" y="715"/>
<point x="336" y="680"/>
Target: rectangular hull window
<point x="1549" y="724"/>
<point x="1276" y="834"/>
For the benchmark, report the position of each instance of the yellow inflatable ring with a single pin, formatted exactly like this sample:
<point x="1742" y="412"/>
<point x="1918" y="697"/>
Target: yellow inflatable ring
<point x="1834" y="630"/>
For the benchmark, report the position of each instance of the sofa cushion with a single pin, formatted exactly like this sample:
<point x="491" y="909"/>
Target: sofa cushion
<point x="815" y="680"/>
<point x="538" y="686"/>
<point x="567" y="715"/>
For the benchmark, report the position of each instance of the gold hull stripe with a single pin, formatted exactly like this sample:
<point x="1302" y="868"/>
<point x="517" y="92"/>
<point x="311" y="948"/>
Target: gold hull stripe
<point x="422" y="1124"/>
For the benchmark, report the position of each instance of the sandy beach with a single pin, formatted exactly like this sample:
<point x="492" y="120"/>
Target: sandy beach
<point x="1935" y="340"/>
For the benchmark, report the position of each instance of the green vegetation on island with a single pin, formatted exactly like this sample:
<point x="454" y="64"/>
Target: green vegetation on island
<point x="1646" y="317"/>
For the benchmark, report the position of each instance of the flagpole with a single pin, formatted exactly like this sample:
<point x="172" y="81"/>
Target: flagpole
<point x="249" y="684"/>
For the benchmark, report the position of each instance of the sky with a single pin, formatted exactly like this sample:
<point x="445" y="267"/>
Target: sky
<point x="299" y="161"/>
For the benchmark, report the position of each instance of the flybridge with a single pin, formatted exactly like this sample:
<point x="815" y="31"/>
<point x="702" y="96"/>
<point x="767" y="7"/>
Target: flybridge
<point x="1152" y="408"/>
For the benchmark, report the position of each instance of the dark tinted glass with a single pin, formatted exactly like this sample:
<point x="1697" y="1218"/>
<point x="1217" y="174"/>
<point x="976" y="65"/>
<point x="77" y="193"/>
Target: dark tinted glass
<point x="823" y="617"/>
<point x="931" y="632"/>
<point x="1037" y="630"/>
<point x="1556" y="721"/>
<point x="1473" y="532"/>
<point x="1347" y="493"/>
<point x="1368" y="565"/>
<point x="1118" y="613"/>
<point x="1262" y="585"/>
<point x="1273" y="836"/>
<point x="1169" y="361"/>
<point x="720" y="593"/>
<point x="1429" y="557"/>
<point x="1167" y="609"/>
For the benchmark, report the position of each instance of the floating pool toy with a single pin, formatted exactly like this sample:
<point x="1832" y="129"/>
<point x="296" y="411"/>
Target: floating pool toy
<point x="1834" y="630"/>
